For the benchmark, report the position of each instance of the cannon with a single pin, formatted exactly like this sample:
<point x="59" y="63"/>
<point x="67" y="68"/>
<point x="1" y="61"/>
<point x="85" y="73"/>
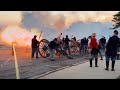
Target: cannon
<point x="44" y="52"/>
<point x="44" y="49"/>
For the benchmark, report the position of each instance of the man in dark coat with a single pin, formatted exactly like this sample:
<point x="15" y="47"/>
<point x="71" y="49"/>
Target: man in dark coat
<point x="35" y="46"/>
<point x="67" y="47"/>
<point x="51" y="46"/>
<point x="82" y="48"/>
<point x="111" y="50"/>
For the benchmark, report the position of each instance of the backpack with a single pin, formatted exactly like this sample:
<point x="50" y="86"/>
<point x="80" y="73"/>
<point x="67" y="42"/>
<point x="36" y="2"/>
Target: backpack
<point x="94" y="50"/>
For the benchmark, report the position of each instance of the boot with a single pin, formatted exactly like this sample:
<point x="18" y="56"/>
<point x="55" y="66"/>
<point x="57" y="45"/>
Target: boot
<point x="113" y="64"/>
<point x="107" y="65"/>
<point x="101" y="58"/>
<point x="90" y="62"/>
<point x="96" y="62"/>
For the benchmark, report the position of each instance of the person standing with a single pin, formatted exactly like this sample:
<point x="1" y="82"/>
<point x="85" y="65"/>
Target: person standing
<point x="103" y="42"/>
<point x="93" y="46"/>
<point x="88" y="48"/>
<point x="67" y="47"/>
<point x="111" y="50"/>
<point x="82" y="47"/>
<point x="35" y="46"/>
<point x="99" y="50"/>
<point x="104" y="45"/>
<point x="86" y="44"/>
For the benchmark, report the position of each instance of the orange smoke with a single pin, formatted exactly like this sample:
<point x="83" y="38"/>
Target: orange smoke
<point x="21" y="36"/>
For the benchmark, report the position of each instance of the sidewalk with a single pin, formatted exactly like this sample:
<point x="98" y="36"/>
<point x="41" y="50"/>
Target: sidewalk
<point x="83" y="71"/>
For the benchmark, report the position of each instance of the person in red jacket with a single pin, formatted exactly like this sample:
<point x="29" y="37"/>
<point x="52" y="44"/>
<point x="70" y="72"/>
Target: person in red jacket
<point x="93" y="48"/>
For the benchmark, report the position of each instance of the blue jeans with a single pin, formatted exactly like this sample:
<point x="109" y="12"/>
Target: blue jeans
<point x="82" y="48"/>
<point x="51" y="53"/>
<point x="100" y="54"/>
<point x="103" y="46"/>
<point x="109" y="57"/>
<point x="35" y="50"/>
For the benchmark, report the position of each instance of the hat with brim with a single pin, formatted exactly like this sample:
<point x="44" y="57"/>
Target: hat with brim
<point x="94" y="34"/>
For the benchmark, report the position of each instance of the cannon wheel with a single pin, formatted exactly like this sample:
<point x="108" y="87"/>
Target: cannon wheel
<point x="43" y="48"/>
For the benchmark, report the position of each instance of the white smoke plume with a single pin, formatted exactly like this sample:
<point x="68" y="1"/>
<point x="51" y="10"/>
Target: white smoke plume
<point x="52" y="23"/>
<point x="56" y="21"/>
<point x="50" y="18"/>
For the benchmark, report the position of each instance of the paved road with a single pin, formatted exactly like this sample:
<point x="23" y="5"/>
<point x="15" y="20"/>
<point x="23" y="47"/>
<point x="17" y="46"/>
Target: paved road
<point x="83" y="71"/>
<point x="32" y="68"/>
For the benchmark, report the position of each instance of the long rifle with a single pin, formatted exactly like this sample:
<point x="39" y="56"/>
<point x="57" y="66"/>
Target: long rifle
<point x="59" y="37"/>
<point x="39" y="40"/>
<point x="40" y="35"/>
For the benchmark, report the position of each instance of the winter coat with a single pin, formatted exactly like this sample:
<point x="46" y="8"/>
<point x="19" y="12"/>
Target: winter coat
<point x="112" y="45"/>
<point x="35" y="43"/>
<point x="53" y="45"/>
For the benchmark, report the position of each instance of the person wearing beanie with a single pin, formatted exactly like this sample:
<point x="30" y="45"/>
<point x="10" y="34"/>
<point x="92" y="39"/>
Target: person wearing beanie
<point x="111" y="50"/>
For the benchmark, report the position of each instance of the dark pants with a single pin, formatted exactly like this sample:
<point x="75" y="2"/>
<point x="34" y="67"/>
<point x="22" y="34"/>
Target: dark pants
<point x="67" y="48"/>
<point x="103" y="46"/>
<point x="92" y="56"/>
<point x="86" y="45"/>
<point x="51" y="53"/>
<point x="107" y="64"/>
<point x="34" y="50"/>
<point x="113" y="59"/>
<point x="82" y="48"/>
<point x="100" y="54"/>
<point x="96" y="61"/>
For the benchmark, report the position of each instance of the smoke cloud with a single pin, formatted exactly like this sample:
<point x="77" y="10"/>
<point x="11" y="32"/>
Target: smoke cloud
<point x="61" y="19"/>
<point x="57" y="21"/>
<point x="52" y="23"/>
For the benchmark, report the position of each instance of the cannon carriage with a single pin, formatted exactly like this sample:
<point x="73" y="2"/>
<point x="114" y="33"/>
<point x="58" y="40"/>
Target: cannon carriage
<point x="44" y="49"/>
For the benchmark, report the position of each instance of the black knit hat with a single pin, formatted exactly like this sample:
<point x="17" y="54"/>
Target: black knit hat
<point x="35" y="36"/>
<point x="116" y="31"/>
